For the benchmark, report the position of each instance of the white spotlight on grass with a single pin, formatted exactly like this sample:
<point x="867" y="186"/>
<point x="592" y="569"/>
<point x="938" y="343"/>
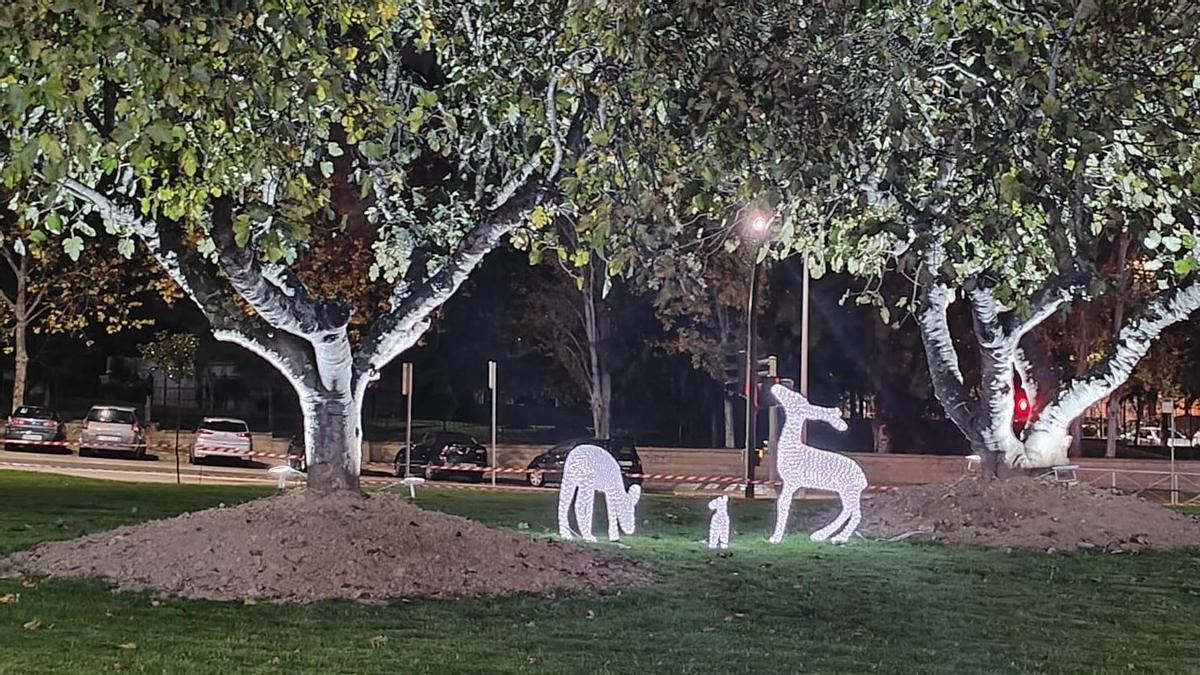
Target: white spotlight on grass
<point x="283" y="472"/>
<point x="412" y="482"/>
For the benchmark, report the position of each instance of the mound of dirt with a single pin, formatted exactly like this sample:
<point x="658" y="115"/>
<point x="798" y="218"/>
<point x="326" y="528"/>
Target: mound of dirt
<point x="300" y="547"/>
<point x="1024" y="512"/>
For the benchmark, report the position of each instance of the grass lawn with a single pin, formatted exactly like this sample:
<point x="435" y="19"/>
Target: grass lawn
<point x="890" y="607"/>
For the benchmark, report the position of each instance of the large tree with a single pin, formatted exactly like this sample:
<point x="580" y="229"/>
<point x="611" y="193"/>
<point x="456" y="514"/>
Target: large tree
<point x="988" y="152"/>
<point x="214" y="132"/>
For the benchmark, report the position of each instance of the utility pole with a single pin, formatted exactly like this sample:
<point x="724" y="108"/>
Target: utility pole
<point x="407" y="389"/>
<point x="751" y="387"/>
<point x="804" y="344"/>
<point x="492" y="384"/>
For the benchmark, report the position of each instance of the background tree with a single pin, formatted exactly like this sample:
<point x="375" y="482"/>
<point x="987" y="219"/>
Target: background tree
<point x="212" y="134"/>
<point x="173" y="355"/>
<point x="704" y="316"/>
<point x="45" y="292"/>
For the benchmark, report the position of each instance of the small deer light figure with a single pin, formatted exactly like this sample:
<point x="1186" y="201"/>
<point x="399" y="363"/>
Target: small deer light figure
<point x="591" y="469"/>
<point x="718" y="526"/>
<point x="803" y="466"/>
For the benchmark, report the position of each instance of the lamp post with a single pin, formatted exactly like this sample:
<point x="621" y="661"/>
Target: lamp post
<point x="755" y="230"/>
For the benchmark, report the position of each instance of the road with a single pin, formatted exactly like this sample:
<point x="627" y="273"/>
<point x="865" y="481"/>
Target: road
<point x="159" y="467"/>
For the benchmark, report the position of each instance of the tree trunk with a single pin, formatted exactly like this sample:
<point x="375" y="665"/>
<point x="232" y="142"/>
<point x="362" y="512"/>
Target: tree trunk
<point x="21" y="369"/>
<point x="1118" y="316"/>
<point x="20" y="309"/>
<point x="730" y="440"/>
<point x="332" y="439"/>
<point x="1112" y="431"/>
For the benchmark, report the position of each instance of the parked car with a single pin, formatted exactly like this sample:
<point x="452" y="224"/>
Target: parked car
<point x="35" y="423"/>
<point x="547" y="467"/>
<point x="109" y="428"/>
<point x="1153" y="436"/>
<point x="219" y="437"/>
<point x="442" y="448"/>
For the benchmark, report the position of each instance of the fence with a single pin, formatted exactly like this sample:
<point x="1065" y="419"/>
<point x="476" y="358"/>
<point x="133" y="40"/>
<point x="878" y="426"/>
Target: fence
<point x="1177" y="488"/>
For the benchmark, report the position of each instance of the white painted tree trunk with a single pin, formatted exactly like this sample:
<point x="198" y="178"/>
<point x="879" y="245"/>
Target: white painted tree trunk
<point x="332" y="439"/>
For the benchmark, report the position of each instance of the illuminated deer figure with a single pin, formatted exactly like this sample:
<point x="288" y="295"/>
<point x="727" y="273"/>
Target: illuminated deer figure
<point x="591" y="469"/>
<point x="803" y="466"/>
<point x="718" y="527"/>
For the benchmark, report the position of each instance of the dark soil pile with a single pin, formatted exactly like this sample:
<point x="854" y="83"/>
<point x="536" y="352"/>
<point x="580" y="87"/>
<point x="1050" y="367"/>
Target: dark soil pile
<point x="302" y="548"/>
<point x="1028" y="513"/>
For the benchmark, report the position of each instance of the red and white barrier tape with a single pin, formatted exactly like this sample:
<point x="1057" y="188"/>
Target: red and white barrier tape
<point x="656" y="477"/>
<point x="217" y="450"/>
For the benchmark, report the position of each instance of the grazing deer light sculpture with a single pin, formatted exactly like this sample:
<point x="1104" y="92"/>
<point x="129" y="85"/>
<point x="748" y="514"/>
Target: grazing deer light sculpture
<point x="803" y="466"/>
<point x="591" y="469"/>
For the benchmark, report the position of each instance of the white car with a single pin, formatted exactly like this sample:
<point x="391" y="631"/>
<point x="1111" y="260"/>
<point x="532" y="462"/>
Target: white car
<point x="222" y="437"/>
<point x="1153" y="436"/>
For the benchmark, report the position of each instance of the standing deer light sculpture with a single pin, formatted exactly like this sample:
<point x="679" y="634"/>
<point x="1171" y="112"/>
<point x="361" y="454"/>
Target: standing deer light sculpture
<point x="803" y="466"/>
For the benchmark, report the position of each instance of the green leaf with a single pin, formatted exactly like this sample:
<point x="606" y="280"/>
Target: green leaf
<point x="54" y="223"/>
<point x="334" y="149"/>
<point x="73" y="247"/>
<point x="125" y="247"/>
<point x="241" y="230"/>
<point x="1184" y="266"/>
<point x="327" y="169"/>
<point x="187" y="162"/>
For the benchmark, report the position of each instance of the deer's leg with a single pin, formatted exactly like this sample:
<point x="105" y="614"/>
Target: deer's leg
<point x="851" y="505"/>
<point x="565" y="494"/>
<point x="783" y="506"/>
<point x="584" y="502"/>
<point x="614" y="521"/>
<point x="823" y="533"/>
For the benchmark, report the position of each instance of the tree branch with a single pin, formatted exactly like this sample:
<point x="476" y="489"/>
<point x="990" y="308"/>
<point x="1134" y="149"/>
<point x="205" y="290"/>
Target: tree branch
<point x="229" y="323"/>
<point x="943" y="360"/>
<point x="1058" y="291"/>
<point x="276" y="294"/>
<point x="1130" y="345"/>
<point x="400" y="328"/>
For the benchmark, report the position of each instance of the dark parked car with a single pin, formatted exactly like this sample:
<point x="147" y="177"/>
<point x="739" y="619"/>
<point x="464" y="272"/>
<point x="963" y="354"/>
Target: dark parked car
<point x="442" y="448"/>
<point x="547" y="467"/>
<point x="35" y="423"/>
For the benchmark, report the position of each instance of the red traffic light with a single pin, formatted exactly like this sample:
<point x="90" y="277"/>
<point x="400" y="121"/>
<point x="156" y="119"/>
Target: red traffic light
<point x="1021" y="405"/>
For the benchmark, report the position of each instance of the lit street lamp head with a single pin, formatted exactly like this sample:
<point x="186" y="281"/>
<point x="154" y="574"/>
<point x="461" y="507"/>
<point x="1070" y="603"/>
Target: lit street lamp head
<point x="757" y="225"/>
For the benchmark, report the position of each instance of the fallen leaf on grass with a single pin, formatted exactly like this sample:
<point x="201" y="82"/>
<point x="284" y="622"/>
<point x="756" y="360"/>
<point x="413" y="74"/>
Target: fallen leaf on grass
<point x="728" y="618"/>
<point x="129" y="646"/>
<point x="32" y="624"/>
<point x="591" y="614"/>
<point x="378" y="640"/>
<point x="29" y="583"/>
<point x="249" y="602"/>
<point x="707" y="629"/>
<point x="117" y="666"/>
<point x="155" y="603"/>
<point x="10" y="598"/>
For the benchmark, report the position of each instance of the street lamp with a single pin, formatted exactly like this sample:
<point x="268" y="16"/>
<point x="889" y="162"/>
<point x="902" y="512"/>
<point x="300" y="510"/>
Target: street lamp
<point x="755" y="230"/>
